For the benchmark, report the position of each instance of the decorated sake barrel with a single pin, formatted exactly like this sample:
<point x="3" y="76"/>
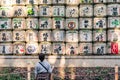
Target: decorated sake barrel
<point x="99" y="48"/>
<point x="45" y="23"/>
<point x="99" y="35"/>
<point x="71" y="48"/>
<point x="31" y="36"/>
<point x="32" y="11"/>
<point x="86" y="10"/>
<point x="114" y="22"/>
<point x="72" y="36"/>
<point x="72" y="2"/>
<point x="45" y="10"/>
<point x="58" y="23"/>
<point x="100" y="1"/>
<point x="6" y="36"/>
<point x="5" y="23"/>
<point x="100" y="10"/>
<point x="18" y="2"/>
<point x="85" y="48"/>
<point x="86" y="1"/>
<point x="45" y="47"/>
<point x="113" y="9"/>
<point x="19" y="35"/>
<point x="32" y="2"/>
<point x="59" y="11"/>
<point x="18" y="23"/>
<point x="113" y="47"/>
<point x="114" y="35"/>
<point x="58" y="1"/>
<point x="58" y="35"/>
<point x="72" y="11"/>
<point x="45" y="1"/>
<point x="6" y="48"/>
<point x="100" y="23"/>
<point x="6" y="2"/>
<point x="58" y="48"/>
<point x="5" y="11"/>
<point x="45" y="35"/>
<point x="85" y="35"/>
<point x="32" y="48"/>
<point x="113" y="1"/>
<point x="19" y="48"/>
<point x="85" y="23"/>
<point x="71" y="23"/>
<point x="19" y="11"/>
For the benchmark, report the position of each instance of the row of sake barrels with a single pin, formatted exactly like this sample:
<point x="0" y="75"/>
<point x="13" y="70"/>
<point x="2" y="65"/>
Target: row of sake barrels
<point x="39" y="2"/>
<point x="60" y="48"/>
<point x="59" y="23"/>
<point x="68" y="11"/>
<point x="64" y="36"/>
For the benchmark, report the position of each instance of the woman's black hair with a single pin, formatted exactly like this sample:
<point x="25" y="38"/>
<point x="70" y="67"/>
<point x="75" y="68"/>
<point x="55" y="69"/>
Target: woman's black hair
<point x="41" y="57"/>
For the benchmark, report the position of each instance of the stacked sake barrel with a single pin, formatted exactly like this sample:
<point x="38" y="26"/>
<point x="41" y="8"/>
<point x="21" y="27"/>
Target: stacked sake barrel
<point x="59" y="27"/>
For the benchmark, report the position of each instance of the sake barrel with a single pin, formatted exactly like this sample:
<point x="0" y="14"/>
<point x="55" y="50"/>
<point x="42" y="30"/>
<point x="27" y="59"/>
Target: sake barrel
<point x="100" y="1"/>
<point x="32" y="11"/>
<point x="71" y="48"/>
<point x="45" y="35"/>
<point x="19" y="35"/>
<point x="100" y="23"/>
<point x="100" y="10"/>
<point x="31" y="36"/>
<point x="58" y="11"/>
<point x="58" y="23"/>
<point x="113" y="1"/>
<point x="58" y="1"/>
<point x="45" y="2"/>
<point x="18" y="23"/>
<point x="32" y="48"/>
<point x="99" y="35"/>
<point x="5" y="11"/>
<point x="32" y="23"/>
<point x="85" y="48"/>
<point x="86" y="1"/>
<point x="72" y="36"/>
<point x="58" y="48"/>
<point x="18" y="2"/>
<point x="85" y="35"/>
<point x="6" y="48"/>
<point x="86" y="10"/>
<point x="6" y="2"/>
<point x="19" y="48"/>
<point x="72" y="11"/>
<point x="72" y="2"/>
<point x="113" y="22"/>
<point x="85" y="23"/>
<point x="45" y="47"/>
<point x="99" y="48"/>
<point x="71" y="23"/>
<point x="32" y="2"/>
<point x="45" y="23"/>
<point x="6" y="36"/>
<point x="5" y="23"/>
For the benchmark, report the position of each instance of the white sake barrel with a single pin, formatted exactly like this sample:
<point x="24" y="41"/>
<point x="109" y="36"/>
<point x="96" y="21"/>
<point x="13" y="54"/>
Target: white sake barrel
<point x="58" y="35"/>
<point x="100" y="10"/>
<point x="58" y="48"/>
<point x="6" y="48"/>
<point x="19" y="48"/>
<point x="18" y="2"/>
<point x="5" y="11"/>
<point x="99" y="48"/>
<point x="71" y="48"/>
<point x="32" y="23"/>
<point x="32" y="11"/>
<point x="31" y="35"/>
<point x="113" y="22"/>
<point x="6" y="2"/>
<point x="45" y="23"/>
<point x="72" y="11"/>
<point x="32" y="2"/>
<point x="45" y="2"/>
<point x="45" y="47"/>
<point x="45" y="35"/>
<point x="86" y="10"/>
<point x="100" y="23"/>
<point x="99" y="35"/>
<point x="86" y="1"/>
<point x="85" y="48"/>
<point x="5" y="23"/>
<point x="100" y="1"/>
<point x="18" y="23"/>
<point x="58" y="11"/>
<point x="113" y="9"/>
<point x="85" y="23"/>
<point x="113" y="1"/>
<point x="32" y="48"/>
<point x="72" y="2"/>
<point x="58" y="23"/>
<point x="85" y="35"/>
<point x="72" y="36"/>
<point x="6" y="36"/>
<point x="71" y="23"/>
<point x="58" y="1"/>
<point x="19" y="35"/>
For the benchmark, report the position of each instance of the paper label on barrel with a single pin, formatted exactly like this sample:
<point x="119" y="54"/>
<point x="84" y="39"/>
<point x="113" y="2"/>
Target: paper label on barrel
<point x="6" y="2"/>
<point x="58" y="48"/>
<point x="71" y="36"/>
<point x="19" y="48"/>
<point x="99" y="23"/>
<point x="85" y="23"/>
<point x="32" y="2"/>
<point x="72" y="2"/>
<point x="100" y="1"/>
<point x="18" y="2"/>
<point x="59" y="11"/>
<point x="6" y="36"/>
<point x="32" y="11"/>
<point x="45" y="1"/>
<point x="113" y="0"/>
<point x="58" y="1"/>
<point x="72" y="11"/>
<point x="72" y="24"/>
<point x="5" y="11"/>
<point x="18" y="35"/>
<point x="113" y="22"/>
<point x="5" y="23"/>
<point x="86" y="1"/>
<point x="58" y="23"/>
<point x="45" y="10"/>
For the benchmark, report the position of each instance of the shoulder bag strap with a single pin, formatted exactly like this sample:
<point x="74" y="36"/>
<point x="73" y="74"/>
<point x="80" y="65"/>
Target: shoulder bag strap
<point x="43" y="66"/>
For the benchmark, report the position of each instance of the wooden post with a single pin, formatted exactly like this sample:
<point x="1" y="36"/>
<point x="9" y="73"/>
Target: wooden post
<point x="28" y="69"/>
<point x="116" y="72"/>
